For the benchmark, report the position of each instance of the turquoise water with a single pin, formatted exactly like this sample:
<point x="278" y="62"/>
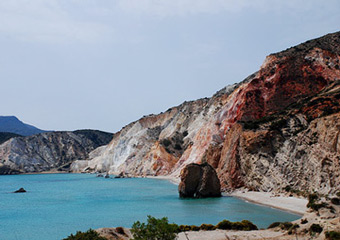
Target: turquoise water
<point x="57" y="205"/>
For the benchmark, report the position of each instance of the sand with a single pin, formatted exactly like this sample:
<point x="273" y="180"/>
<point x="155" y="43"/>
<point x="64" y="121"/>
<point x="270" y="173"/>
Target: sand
<point x="290" y="204"/>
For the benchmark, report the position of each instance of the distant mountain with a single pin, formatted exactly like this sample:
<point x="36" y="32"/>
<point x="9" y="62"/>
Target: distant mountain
<point x="12" y="124"/>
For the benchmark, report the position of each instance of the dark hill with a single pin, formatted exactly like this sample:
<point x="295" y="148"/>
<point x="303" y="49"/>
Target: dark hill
<point x="12" y="124"/>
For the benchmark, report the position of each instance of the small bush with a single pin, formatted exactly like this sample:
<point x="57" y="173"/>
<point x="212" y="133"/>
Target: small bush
<point x="335" y="201"/>
<point x="224" y="225"/>
<point x="332" y="235"/>
<point x="315" y="228"/>
<point x="293" y="228"/>
<point x="317" y="206"/>
<point x="286" y="225"/>
<point x="89" y="235"/>
<point x="248" y="226"/>
<point x="166" y="142"/>
<point x="338" y="194"/>
<point x="312" y="202"/>
<point x="154" y="229"/>
<point x="313" y="197"/>
<point x="304" y="221"/>
<point x="274" y="225"/>
<point x="244" y="225"/>
<point x="195" y="228"/>
<point x="207" y="227"/>
<point x="184" y="228"/>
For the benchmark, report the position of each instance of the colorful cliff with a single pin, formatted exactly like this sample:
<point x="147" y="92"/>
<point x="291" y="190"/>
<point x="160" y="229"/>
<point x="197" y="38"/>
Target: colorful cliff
<point x="279" y="127"/>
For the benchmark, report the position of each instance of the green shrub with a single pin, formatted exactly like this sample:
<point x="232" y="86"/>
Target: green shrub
<point x="304" y="221"/>
<point x="244" y="225"/>
<point x="184" y="228"/>
<point x="286" y="225"/>
<point x="194" y="228"/>
<point x="154" y="229"/>
<point x="274" y="225"/>
<point x="207" y="227"/>
<point x="293" y="228"/>
<point x="332" y="235"/>
<point x="89" y="235"/>
<point x="335" y="201"/>
<point x="248" y="226"/>
<point x="313" y="197"/>
<point x="224" y="225"/>
<point x="166" y="142"/>
<point x="315" y="228"/>
<point x="317" y="206"/>
<point x="338" y="194"/>
<point x="312" y="202"/>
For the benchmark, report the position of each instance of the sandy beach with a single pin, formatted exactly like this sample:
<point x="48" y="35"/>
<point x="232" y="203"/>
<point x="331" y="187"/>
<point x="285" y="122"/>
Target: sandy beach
<point x="286" y="203"/>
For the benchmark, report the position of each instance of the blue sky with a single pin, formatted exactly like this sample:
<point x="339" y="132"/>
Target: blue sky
<point x="100" y="64"/>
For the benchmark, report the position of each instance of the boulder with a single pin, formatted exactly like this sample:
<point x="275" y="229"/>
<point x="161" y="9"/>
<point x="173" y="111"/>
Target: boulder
<point x="199" y="181"/>
<point x="20" y="190"/>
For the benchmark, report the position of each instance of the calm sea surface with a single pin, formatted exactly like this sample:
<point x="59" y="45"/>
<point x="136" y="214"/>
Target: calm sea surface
<point x="57" y="205"/>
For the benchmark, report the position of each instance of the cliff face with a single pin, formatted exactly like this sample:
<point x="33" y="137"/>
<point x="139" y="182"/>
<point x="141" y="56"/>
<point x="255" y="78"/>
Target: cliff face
<point x="278" y="127"/>
<point x="49" y="151"/>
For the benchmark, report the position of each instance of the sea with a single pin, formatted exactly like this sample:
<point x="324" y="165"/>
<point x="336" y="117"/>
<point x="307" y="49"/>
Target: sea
<point x="56" y="205"/>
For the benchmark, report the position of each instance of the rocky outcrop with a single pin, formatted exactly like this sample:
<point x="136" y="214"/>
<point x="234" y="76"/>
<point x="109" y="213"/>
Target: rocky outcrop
<point x="20" y="190"/>
<point x="49" y="151"/>
<point x="277" y="128"/>
<point x="118" y="233"/>
<point x="199" y="181"/>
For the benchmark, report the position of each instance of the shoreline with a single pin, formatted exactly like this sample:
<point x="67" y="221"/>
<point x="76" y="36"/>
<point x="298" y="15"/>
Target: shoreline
<point x="293" y="205"/>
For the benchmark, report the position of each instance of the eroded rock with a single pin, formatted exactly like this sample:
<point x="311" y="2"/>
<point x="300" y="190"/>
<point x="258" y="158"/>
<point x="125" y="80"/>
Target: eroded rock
<point x="199" y="181"/>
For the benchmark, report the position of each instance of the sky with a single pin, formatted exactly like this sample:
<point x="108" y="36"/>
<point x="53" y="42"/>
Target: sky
<point x="101" y="64"/>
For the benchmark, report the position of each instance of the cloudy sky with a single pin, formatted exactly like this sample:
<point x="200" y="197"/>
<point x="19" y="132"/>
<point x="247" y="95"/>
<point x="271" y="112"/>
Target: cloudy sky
<point x="100" y="64"/>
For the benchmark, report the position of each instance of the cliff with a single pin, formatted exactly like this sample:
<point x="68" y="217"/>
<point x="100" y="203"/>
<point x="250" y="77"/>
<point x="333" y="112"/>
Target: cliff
<point x="49" y="151"/>
<point x="277" y="128"/>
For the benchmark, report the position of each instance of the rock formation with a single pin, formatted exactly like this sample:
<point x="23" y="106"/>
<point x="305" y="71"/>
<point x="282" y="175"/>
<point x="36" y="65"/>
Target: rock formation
<point x="49" y="151"/>
<point x="199" y="181"/>
<point x="277" y="128"/>
<point x="20" y="190"/>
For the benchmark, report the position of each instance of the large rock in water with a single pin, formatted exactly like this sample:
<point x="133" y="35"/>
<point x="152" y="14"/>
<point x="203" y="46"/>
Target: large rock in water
<point x="199" y="181"/>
